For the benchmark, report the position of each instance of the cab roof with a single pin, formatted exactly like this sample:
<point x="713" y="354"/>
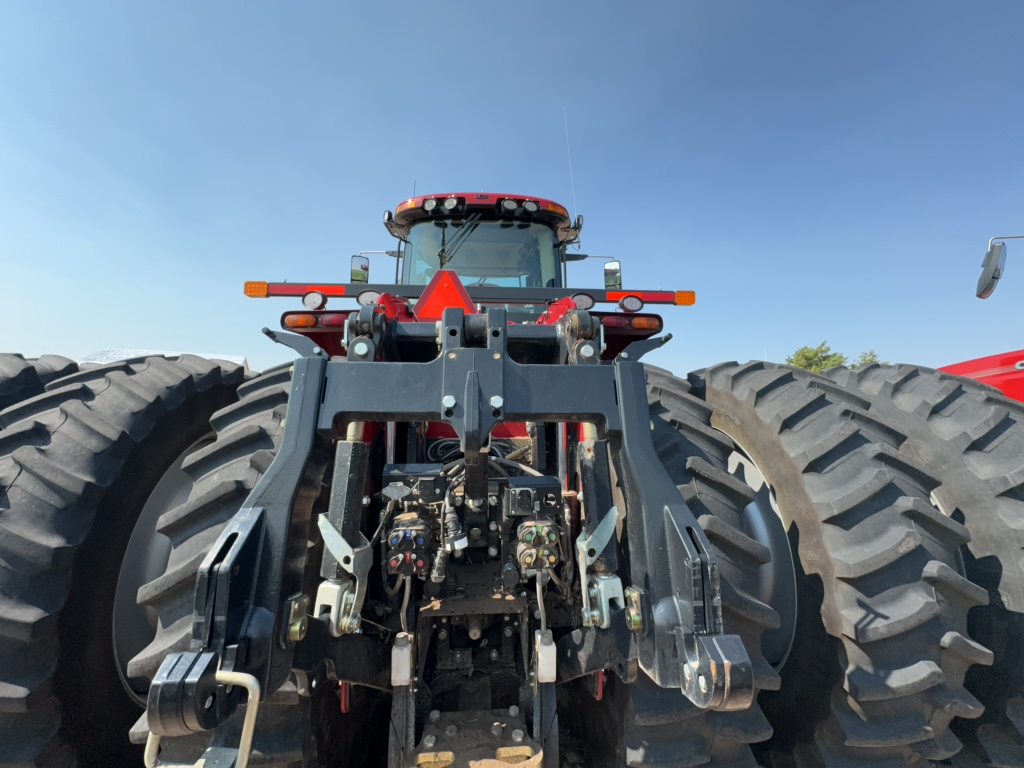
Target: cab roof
<point x="481" y="200"/>
<point x="456" y="205"/>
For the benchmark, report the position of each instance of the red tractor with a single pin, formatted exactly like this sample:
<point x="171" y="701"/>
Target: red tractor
<point x="468" y="527"/>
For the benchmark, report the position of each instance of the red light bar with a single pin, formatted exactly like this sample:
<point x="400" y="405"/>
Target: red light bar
<point x="301" y="289"/>
<point x="648" y="297"/>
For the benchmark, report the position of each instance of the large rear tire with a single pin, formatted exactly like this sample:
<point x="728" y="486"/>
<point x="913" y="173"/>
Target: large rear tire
<point x="881" y="648"/>
<point x="248" y="436"/>
<point x="76" y="470"/>
<point x="649" y="726"/>
<point x="971" y="438"/>
<point x="22" y="378"/>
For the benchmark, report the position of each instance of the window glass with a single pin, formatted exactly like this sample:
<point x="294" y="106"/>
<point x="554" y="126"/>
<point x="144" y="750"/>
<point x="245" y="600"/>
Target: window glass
<point x="491" y="253"/>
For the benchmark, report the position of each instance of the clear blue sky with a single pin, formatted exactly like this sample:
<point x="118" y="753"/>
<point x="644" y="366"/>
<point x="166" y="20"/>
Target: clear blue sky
<point x="814" y="170"/>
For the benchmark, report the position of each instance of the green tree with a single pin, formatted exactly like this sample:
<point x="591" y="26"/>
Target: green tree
<point x="816" y="359"/>
<point x="869" y="357"/>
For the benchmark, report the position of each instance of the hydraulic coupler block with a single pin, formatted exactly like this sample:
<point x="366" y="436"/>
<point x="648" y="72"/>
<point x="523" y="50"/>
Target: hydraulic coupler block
<point x="408" y="563"/>
<point x="537" y="545"/>
<point x="409" y="547"/>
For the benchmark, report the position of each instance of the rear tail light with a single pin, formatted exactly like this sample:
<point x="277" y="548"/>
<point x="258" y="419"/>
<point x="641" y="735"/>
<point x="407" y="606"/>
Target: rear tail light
<point x="639" y="323"/>
<point x="333" y="319"/>
<point x="646" y="323"/>
<point x="315" y="320"/>
<point x="300" y="320"/>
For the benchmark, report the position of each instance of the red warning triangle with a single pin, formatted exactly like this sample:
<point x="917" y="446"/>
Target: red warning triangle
<point x="443" y="291"/>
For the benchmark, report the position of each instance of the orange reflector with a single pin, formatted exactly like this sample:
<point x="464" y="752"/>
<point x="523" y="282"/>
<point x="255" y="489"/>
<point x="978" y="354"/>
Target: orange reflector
<point x="646" y="323"/>
<point x="686" y="298"/>
<point x="300" y="320"/>
<point x="257" y="289"/>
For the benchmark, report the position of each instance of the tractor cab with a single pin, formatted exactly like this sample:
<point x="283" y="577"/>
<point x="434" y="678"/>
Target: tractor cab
<point x="475" y="251"/>
<point x="488" y="240"/>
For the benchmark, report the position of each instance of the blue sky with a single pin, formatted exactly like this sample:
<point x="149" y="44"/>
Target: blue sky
<point x="815" y="171"/>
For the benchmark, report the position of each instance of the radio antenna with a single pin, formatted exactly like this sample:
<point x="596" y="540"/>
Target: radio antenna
<point x="572" y="183"/>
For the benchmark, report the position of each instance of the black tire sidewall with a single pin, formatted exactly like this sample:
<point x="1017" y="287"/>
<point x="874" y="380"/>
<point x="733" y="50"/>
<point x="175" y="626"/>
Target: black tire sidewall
<point x="97" y="710"/>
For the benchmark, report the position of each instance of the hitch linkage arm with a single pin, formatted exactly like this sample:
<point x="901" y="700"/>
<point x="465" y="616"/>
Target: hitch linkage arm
<point x="683" y="644"/>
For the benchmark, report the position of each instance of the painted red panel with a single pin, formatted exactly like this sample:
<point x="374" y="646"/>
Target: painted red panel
<point x="1003" y="371"/>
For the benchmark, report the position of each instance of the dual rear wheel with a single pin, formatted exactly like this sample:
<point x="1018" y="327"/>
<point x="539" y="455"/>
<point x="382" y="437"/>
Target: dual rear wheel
<point x="843" y="579"/>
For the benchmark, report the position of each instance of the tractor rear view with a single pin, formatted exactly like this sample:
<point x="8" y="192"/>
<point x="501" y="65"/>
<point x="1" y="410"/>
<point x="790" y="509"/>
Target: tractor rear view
<point x="468" y="527"/>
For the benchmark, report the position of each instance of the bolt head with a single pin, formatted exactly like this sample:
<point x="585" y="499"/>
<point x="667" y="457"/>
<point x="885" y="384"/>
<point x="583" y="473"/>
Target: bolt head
<point x="434" y="715"/>
<point x="508" y="631"/>
<point x="517" y="735"/>
<point x="587" y="351"/>
<point x="492" y="551"/>
<point x="494" y="654"/>
<point x="429" y="741"/>
<point x="492" y="526"/>
<point x="448" y="401"/>
<point x="634" y="620"/>
<point x="496" y="729"/>
<point x="360" y="348"/>
<point x="513" y="711"/>
<point x="497" y="402"/>
<point x="297" y="629"/>
<point x="451" y="730"/>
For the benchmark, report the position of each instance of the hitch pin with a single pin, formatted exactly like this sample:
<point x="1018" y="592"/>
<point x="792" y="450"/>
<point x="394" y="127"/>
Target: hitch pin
<point x="151" y="757"/>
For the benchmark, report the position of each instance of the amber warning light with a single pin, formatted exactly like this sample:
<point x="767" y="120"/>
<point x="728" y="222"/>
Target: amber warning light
<point x="686" y="298"/>
<point x="257" y="289"/>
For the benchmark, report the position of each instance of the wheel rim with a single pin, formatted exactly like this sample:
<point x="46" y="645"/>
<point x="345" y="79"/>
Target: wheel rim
<point x="145" y="558"/>
<point x="775" y="581"/>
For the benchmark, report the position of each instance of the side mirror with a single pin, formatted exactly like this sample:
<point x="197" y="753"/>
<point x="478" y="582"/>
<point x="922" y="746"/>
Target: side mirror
<point x="613" y="276"/>
<point x="991" y="270"/>
<point x="360" y="269"/>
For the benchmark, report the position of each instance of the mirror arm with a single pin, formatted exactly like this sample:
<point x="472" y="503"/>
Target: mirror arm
<point x="1004" y="237"/>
